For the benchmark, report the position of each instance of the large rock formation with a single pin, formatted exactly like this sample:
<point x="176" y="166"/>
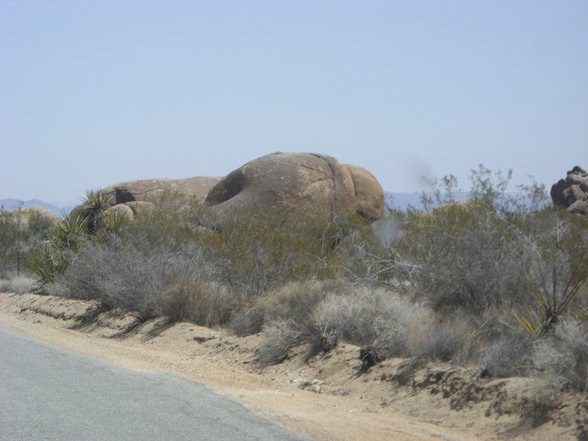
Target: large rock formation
<point x="571" y="193"/>
<point x="141" y="195"/>
<point x="308" y="185"/>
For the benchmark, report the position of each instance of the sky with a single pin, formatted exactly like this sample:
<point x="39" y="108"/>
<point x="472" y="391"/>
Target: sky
<point x="94" y="93"/>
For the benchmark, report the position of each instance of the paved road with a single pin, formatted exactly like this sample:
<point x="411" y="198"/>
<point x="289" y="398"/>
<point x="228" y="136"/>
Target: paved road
<point x="48" y="394"/>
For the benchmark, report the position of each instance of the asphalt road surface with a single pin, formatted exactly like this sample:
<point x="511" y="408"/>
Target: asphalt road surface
<point x="48" y="394"/>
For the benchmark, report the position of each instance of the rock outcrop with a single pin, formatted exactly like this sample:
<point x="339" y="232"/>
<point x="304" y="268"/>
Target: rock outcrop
<point x="571" y="193"/>
<point x="308" y="186"/>
<point x="315" y="186"/>
<point x="141" y="196"/>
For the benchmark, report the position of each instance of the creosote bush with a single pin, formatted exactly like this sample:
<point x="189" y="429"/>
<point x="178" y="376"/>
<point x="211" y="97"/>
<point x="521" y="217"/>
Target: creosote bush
<point x="265" y="250"/>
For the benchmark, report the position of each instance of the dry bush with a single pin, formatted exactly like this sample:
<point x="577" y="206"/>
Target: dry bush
<point x="562" y="356"/>
<point x="395" y="326"/>
<point x="22" y="233"/>
<point x="294" y="301"/>
<point x="248" y="322"/>
<point x="199" y="301"/>
<point x="323" y="313"/>
<point x="18" y="284"/>
<point x="468" y="257"/>
<point x="369" y="317"/>
<point x="507" y="357"/>
<point x="289" y="314"/>
<point x="280" y="336"/>
<point x="440" y="339"/>
<point x="119" y="274"/>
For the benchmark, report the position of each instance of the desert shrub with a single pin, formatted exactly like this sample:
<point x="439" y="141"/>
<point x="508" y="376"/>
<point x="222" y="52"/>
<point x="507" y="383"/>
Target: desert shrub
<point x="17" y="283"/>
<point x="558" y="268"/>
<point x="392" y="324"/>
<point x="493" y="252"/>
<point x="467" y="256"/>
<point x="279" y="337"/>
<point x="196" y="300"/>
<point x="167" y="226"/>
<point x="437" y="338"/>
<point x="22" y="234"/>
<point x="10" y="232"/>
<point x="507" y="357"/>
<point x="248" y="321"/>
<point x="367" y="256"/>
<point x="365" y="316"/>
<point x="293" y="301"/>
<point x="262" y="251"/>
<point x="338" y="310"/>
<point x="297" y="301"/>
<point x="368" y="316"/>
<point x="562" y="355"/>
<point x="119" y="274"/>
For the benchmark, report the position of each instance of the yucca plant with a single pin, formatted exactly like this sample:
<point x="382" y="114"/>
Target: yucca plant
<point x="113" y="221"/>
<point x="69" y="232"/>
<point x="47" y="264"/>
<point x="93" y="207"/>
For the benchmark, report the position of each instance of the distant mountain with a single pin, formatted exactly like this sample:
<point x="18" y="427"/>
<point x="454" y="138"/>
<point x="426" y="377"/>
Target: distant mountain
<point x="11" y="204"/>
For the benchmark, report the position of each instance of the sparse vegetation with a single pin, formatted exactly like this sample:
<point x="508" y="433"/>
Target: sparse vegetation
<point x="22" y="233"/>
<point x="497" y="280"/>
<point x="562" y="356"/>
<point x="18" y="284"/>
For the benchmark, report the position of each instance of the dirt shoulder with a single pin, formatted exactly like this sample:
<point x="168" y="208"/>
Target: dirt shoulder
<point x="325" y="399"/>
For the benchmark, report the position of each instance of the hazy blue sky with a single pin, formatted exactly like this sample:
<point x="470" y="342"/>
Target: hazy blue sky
<point x="97" y="92"/>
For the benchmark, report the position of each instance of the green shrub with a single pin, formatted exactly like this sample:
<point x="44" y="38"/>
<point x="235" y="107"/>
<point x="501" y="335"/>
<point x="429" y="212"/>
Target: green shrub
<point x="265" y="250"/>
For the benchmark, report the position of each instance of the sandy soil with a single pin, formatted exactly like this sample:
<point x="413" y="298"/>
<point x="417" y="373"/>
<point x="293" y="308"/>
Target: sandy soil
<point x="325" y="399"/>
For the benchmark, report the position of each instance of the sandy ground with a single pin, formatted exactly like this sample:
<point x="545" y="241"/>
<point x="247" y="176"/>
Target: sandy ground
<point x="325" y="399"/>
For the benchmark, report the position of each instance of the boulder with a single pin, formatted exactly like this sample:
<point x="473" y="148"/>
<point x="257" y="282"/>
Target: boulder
<point x="315" y="186"/>
<point x="121" y="210"/>
<point x="139" y="208"/>
<point x="157" y="191"/>
<point x="368" y="193"/>
<point x="571" y="193"/>
<point x="307" y="186"/>
<point x="579" y="207"/>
